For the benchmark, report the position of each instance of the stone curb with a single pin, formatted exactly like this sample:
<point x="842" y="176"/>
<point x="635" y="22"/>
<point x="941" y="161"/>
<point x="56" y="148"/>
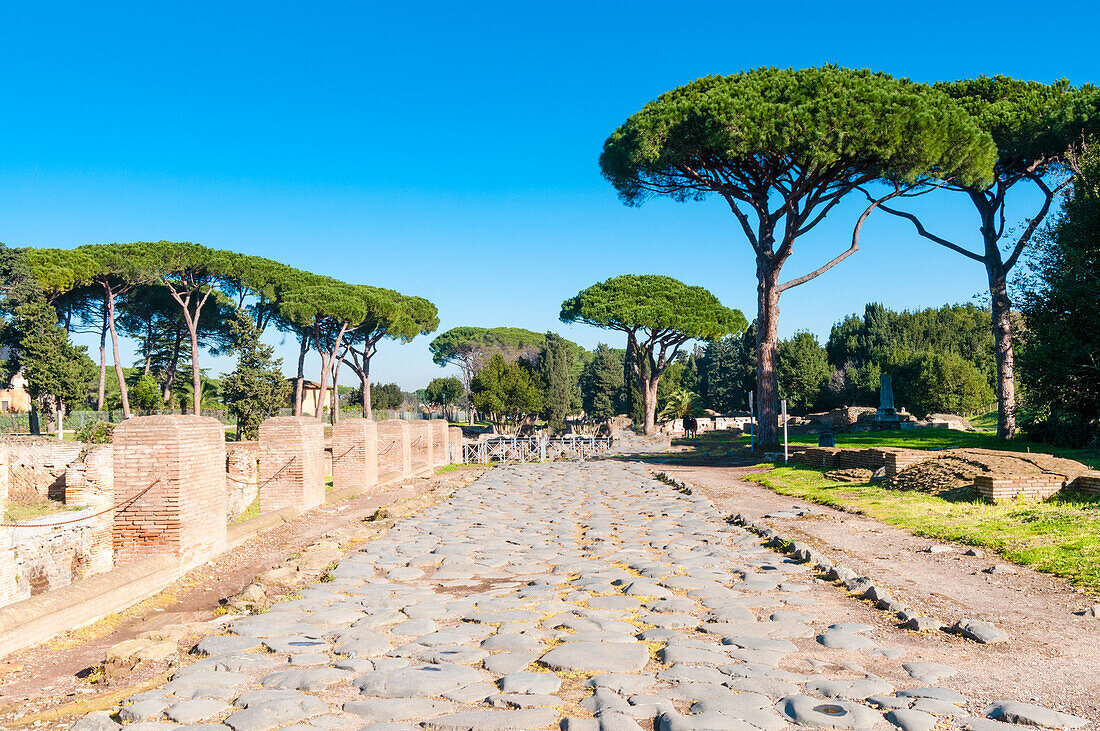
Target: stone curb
<point x="860" y="586"/>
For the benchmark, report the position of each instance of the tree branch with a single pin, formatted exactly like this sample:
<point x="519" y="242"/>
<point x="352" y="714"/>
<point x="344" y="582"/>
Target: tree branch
<point x="924" y="232"/>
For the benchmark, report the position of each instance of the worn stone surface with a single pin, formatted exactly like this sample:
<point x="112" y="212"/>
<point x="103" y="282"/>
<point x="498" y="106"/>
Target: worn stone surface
<point x="543" y="590"/>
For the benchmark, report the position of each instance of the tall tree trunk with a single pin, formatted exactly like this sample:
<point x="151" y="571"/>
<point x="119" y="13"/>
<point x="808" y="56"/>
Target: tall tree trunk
<point x="173" y="366"/>
<point x="148" y="347"/>
<point x="368" y="403"/>
<point x="196" y="374"/>
<point x="101" y="393"/>
<point x="649" y="390"/>
<point x="335" y="390"/>
<point x="300" y="379"/>
<point x="767" y="353"/>
<point x="122" y="388"/>
<point x="1001" y="307"/>
<point x="326" y="359"/>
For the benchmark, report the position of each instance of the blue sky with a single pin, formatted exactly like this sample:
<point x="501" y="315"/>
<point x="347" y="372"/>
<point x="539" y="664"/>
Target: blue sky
<point x="450" y="149"/>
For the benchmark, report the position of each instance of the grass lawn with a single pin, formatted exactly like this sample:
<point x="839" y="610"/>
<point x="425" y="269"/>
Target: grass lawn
<point x="1059" y="536"/>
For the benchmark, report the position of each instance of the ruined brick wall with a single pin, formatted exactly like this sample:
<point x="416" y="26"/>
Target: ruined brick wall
<point x="1036" y="486"/>
<point x="354" y="454"/>
<point x="36" y="466"/>
<point x="815" y="456"/>
<point x="421" y="444"/>
<point x="182" y="514"/>
<point x="455" y="442"/>
<point x="242" y="472"/>
<point x="394" y="452"/>
<point x="292" y="463"/>
<point x="90" y="483"/>
<point x="7" y="557"/>
<point x="1088" y="482"/>
<point x="439" y="441"/>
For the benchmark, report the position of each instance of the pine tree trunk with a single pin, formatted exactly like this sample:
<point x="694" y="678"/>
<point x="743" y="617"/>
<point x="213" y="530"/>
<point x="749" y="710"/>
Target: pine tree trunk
<point x="767" y="354"/>
<point x="101" y="393"/>
<point x="123" y="389"/>
<point x="300" y="379"/>
<point x="1001" y="306"/>
<point x="649" y="389"/>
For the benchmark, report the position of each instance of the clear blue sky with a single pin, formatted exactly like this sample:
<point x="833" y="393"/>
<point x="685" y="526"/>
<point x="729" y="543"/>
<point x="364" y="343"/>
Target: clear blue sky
<point x="450" y="149"/>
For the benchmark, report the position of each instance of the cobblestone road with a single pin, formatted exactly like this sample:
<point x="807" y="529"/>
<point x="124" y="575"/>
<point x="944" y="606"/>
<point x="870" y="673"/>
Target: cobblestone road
<point x="575" y="596"/>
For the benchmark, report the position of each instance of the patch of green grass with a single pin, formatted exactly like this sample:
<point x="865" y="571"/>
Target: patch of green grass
<point x="1060" y="535"/>
<point x="250" y="512"/>
<point x="20" y="511"/>
<point x="947" y="439"/>
<point x="985" y="422"/>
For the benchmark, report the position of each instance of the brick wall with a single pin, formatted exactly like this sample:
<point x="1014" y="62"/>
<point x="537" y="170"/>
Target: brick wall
<point x="1088" y="482"/>
<point x="394" y="453"/>
<point x="181" y="514"/>
<point x="421" y="442"/>
<point x="354" y="454"/>
<point x="91" y="483"/>
<point x="1035" y="486"/>
<point x="292" y="463"/>
<point x="815" y="456"/>
<point x="455" y="441"/>
<point x="898" y="459"/>
<point x="440" y="433"/>
<point x="242" y="476"/>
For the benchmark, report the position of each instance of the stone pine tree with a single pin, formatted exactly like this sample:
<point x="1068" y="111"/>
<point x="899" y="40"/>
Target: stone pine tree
<point x="658" y="314"/>
<point x="782" y="148"/>
<point x="256" y="388"/>
<point x="1035" y="127"/>
<point x="556" y="370"/>
<point x="601" y="385"/>
<point x="507" y="392"/>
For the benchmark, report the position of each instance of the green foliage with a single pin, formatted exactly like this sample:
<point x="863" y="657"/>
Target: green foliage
<point x="601" y="384"/>
<point x="256" y="389"/>
<point x="803" y="372"/>
<point x="96" y="432"/>
<point x="145" y="393"/>
<point x="727" y="372"/>
<point x="856" y="124"/>
<point x="665" y="308"/>
<point x="443" y="391"/>
<point x="386" y="396"/>
<point x="56" y="370"/>
<point x="507" y="392"/>
<point x="1060" y="305"/>
<point x="556" y="374"/>
<point x="928" y="382"/>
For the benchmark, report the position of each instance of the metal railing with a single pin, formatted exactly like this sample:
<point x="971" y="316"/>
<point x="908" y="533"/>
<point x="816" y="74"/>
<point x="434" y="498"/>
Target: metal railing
<point x="537" y="448"/>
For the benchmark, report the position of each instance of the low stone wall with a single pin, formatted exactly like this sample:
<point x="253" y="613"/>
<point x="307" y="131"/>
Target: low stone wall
<point x="890" y="459"/>
<point x="1035" y="486"/>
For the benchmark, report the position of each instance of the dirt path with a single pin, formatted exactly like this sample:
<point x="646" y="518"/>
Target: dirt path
<point x="1053" y="658"/>
<point x="59" y="672"/>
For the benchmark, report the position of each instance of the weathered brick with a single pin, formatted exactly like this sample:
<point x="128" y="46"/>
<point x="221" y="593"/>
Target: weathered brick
<point x="394" y="451"/>
<point x="292" y="467"/>
<point x="354" y="454"/>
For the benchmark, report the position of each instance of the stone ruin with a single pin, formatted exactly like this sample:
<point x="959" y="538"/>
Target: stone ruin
<point x="169" y="487"/>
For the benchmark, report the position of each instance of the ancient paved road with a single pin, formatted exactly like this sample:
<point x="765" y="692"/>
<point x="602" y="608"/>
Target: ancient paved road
<point x="581" y="596"/>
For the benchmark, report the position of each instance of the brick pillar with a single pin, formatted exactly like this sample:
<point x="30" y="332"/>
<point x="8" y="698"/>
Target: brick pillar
<point x="420" y="434"/>
<point x="354" y="454"/>
<point x="439" y="442"/>
<point x="8" y="588"/>
<point x="91" y="484"/>
<point x="454" y="442"/>
<point x="183" y="514"/>
<point x="292" y="463"/>
<point x="394" y="453"/>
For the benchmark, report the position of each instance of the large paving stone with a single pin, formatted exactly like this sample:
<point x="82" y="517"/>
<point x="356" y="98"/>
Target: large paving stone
<point x="597" y="657"/>
<point x="417" y="681"/>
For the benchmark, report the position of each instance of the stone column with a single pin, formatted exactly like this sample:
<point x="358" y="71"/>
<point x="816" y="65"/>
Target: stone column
<point x="176" y="466"/>
<point x="455" y="442"/>
<point x="421" y="438"/>
<point x="292" y="463"/>
<point x="394" y="453"/>
<point x="91" y="484"/>
<point x="354" y="454"/>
